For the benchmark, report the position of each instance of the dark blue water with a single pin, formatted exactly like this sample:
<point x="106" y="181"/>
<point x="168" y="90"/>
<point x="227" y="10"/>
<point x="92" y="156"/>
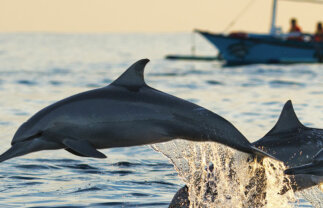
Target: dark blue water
<point x="39" y="69"/>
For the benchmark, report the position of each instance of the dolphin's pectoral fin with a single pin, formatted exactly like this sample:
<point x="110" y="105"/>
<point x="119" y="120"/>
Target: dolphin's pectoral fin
<point x="74" y="152"/>
<point x="82" y="148"/>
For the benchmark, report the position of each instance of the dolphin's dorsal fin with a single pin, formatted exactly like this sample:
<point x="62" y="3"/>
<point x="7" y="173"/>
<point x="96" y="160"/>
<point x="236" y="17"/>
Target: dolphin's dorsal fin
<point x="287" y="121"/>
<point x="133" y="76"/>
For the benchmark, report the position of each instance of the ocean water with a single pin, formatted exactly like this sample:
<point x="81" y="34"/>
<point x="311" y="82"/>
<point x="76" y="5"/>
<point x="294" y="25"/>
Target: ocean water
<point x="39" y="69"/>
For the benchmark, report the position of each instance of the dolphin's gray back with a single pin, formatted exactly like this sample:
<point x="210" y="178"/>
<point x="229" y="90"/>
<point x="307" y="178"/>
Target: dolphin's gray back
<point x="290" y="141"/>
<point x="118" y="108"/>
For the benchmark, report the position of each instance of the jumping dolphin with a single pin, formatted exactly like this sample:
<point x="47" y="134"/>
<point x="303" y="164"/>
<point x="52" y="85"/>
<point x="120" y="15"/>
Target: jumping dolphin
<point x="314" y="168"/>
<point x="294" y="144"/>
<point x="125" y="113"/>
<point x="290" y="141"/>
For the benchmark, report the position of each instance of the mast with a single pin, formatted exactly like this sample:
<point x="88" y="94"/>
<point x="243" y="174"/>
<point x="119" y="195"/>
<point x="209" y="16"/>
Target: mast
<point x="273" y="19"/>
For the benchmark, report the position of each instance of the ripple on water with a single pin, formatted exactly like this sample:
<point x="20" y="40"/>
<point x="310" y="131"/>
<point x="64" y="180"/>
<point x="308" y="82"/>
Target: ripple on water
<point x="316" y="92"/>
<point x="36" y="167"/>
<point x="79" y="166"/>
<point x="126" y="204"/>
<point x="121" y="172"/>
<point x="285" y="83"/>
<point x="140" y="194"/>
<point x="27" y="82"/>
<point x="271" y="103"/>
<point x="60" y="161"/>
<point x="5" y="123"/>
<point x="126" y="164"/>
<point x="19" y="112"/>
<point x="87" y="190"/>
<point x="214" y="82"/>
<point x="71" y="206"/>
<point x="168" y="74"/>
<point x="163" y="183"/>
<point x="55" y="83"/>
<point x="23" y="178"/>
<point x="59" y="71"/>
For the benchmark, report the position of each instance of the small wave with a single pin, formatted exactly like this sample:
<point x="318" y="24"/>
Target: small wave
<point x="87" y="190"/>
<point x="165" y="74"/>
<point x="110" y="204"/>
<point x="19" y="112"/>
<point x="71" y="206"/>
<point x="93" y="85"/>
<point x="58" y="160"/>
<point x="271" y="103"/>
<point x="126" y="164"/>
<point x="162" y="165"/>
<point x="140" y="194"/>
<point x="106" y="81"/>
<point x="27" y="82"/>
<point x="196" y="72"/>
<point x="154" y="182"/>
<point x="121" y="172"/>
<point x="282" y="83"/>
<point x="251" y="114"/>
<point x="55" y="83"/>
<point x="36" y="167"/>
<point x="23" y="178"/>
<point x="316" y="92"/>
<point x="31" y="183"/>
<point x="127" y="204"/>
<point x="61" y="71"/>
<point x="214" y="82"/>
<point x="79" y="167"/>
<point x="5" y="123"/>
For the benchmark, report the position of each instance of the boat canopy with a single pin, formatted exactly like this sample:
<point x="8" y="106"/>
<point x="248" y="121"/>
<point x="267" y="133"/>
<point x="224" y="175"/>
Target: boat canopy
<point x="273" y="29"/>
<point x="307" y="1"/>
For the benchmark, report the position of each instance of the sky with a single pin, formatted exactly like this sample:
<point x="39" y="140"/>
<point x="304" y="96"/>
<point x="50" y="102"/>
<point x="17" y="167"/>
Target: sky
<point x="122" y="16"/>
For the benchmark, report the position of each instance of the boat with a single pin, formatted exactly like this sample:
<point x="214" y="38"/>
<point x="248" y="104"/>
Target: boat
<point x="239" y="48"/>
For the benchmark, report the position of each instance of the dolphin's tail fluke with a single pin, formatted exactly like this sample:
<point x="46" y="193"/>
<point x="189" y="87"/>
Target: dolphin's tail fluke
<point x="261" y="153"/>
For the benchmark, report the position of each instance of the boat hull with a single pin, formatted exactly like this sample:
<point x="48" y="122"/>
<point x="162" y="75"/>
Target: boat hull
<point x="264" y="49"/>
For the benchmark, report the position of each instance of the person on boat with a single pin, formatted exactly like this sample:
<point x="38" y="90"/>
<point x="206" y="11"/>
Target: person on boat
<point x="295" y="31"/>
<point x="294" y="28"/>
<point x="318" y="36"/>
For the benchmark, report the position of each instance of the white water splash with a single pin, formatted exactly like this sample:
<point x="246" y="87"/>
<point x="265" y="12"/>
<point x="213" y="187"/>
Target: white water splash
<point x="314" y="195"/>
<point x="218" y="176"/>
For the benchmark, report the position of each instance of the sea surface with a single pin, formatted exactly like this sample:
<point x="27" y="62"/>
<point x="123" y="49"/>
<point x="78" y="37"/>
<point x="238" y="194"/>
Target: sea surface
<point x="37" y="69"/>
